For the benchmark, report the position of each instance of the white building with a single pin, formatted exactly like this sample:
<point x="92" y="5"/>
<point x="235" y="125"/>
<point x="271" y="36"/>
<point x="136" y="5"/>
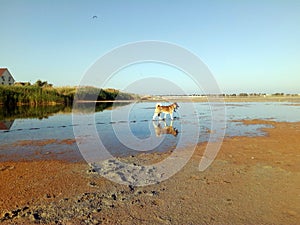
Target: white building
<point x="5" y="77"/>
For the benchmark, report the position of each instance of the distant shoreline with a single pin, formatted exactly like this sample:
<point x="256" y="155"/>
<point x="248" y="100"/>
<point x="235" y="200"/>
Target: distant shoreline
<point x="225" y="98"/>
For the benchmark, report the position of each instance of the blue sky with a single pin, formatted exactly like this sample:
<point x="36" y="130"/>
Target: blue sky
<point x="249" y="46"/>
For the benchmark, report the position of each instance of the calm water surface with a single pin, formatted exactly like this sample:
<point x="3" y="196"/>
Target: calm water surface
<point x="117" y="126"/>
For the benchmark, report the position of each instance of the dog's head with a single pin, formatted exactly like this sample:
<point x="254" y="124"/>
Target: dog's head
<point x="175" y="132"/>
<point x="176" y="106"/>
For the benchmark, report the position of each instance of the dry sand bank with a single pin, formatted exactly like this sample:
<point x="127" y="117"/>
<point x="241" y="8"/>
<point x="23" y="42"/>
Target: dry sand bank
<point x="254" y="180"/>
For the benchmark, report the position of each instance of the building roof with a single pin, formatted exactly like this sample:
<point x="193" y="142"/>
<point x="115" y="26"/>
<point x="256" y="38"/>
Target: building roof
<point x="6" y="125"/>
<point x="2" y="70"/>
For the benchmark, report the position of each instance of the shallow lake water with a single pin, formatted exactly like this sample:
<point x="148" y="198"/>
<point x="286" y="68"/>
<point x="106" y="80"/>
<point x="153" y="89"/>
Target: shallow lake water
<point x="125" y="129"/>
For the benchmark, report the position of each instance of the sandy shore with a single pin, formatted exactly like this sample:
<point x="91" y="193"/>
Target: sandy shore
<point x="254" y="180"/>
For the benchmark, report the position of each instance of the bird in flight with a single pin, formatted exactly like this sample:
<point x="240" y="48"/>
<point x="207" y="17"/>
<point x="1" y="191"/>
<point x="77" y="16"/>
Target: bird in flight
<point x="94" y="17"/>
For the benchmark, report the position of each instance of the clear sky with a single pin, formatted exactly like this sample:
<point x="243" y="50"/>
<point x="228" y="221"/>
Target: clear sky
<point x="249" y="46"/>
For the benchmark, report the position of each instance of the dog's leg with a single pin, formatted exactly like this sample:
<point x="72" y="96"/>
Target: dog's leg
<point x="157" y="129"/>
<point x="159" y="116"/>
<point x="154" y="116"/>
<point x="165" y="117"/>
<point x="171" y="115"/>
<point x="171" y="124"/>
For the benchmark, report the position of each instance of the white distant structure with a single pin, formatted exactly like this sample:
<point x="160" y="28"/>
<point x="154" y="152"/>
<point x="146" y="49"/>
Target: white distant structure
<point x="5" y="77"/>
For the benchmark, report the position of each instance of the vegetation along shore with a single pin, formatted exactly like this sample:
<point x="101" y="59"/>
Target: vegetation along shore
<point x="42" y="93"/>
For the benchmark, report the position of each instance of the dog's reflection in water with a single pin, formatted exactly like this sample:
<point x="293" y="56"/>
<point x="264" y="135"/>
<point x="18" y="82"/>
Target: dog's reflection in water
<point x="161" y="128"/>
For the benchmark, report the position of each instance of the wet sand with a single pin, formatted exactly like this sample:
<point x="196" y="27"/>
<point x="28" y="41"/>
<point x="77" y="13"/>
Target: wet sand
<point x="253" y="180"/>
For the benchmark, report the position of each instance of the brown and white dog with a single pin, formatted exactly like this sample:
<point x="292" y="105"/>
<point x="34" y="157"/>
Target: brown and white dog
<point x="165" y="109"/>
<point x="164" y="129"/>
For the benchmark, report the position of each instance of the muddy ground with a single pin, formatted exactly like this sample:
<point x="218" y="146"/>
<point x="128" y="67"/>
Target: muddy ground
<point x="253" y="180"/>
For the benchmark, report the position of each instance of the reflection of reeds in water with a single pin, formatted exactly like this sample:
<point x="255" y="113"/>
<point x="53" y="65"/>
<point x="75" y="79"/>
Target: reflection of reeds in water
<point x="115" y="105"/>
<point x="40" y="112"/>
<point x="91" y="107"/>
